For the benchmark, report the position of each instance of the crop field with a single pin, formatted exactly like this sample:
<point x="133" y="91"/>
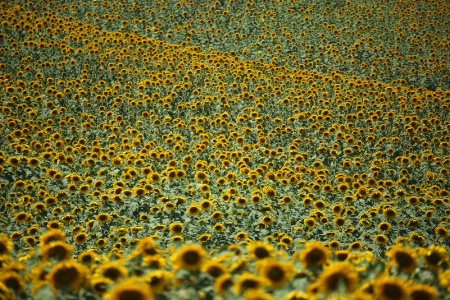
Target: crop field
<point x="228" y="149"/>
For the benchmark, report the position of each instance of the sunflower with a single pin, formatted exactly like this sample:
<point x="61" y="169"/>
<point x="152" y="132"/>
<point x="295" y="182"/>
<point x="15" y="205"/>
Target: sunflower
<point x="267" y="220"/>
<point x="103" y="218"/>
<point x="276" y="273"/>
<point x="257" y="294"/>
<point x="154" y="177"/>
<point x="154" y="261"/>
<point x="256" y="199"/>
<point x="339" y="221"/>
<point x="218" y="227"/>
<point x="112" y="270"/>
<point x="241" y="201"/>
<point x="405" y="258"/>
<point x="52" y="235"/>
<point x="390" y="288"/>
<point x="384" y="226"/>
<point x="201" y="176"/>
<point x="390" y="213"/>
<point x="298" y="295"/>
<point x="310" y="222"/>
<point x="56" y="250"/>
<point x="314" y="254"/>
<point x="87" y="257"/>
<point x="194" y="209"/>
<point x="434" y="256"/>
<point x="214" y="269"/>
<point x="81" y="238"/>
<point x="248" y="281"/>
<point x="204" y="237"/>
<point x="260" y="250"/>
<point x="241" y="236"/>
<point x="223" y="283"/>
<point x="6" y="245"/>
<point x="270" y="192"/>
<point x="101" y="285"/>
<point x="441" y="232"/>
<point x="68" y="274"/>
<point x="131" y="289"/>
<point x="355" y="246"/>
<point x="158" y="280"/>
<point x="12" y="281"/>
<point x="190" y="257"/>
<point x="422" y="292"/>
<point x="342" y="255"/>
<point x="381" y="239"/>
<point x="176" y="227"/>
<point x="338" y="275"/>
<point x="147" y="246"/>
<point x="206" y="204"/>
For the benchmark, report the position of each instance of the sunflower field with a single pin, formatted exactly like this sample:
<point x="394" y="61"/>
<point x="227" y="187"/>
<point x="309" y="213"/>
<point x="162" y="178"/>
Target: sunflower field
<point x="228" y="149"/>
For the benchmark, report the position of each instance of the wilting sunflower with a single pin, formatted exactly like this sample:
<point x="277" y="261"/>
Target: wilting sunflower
<point x="190" y="257"/>
<point x="314" y="254"/>
<point x="337" y="275"/>
<point x="390" y="288"/>
<point x="276" y="273"/>
<point x="68" y="274"/>
<point x="248" y="281"/>
<point x="131" y="289"/>
<point x="260" y="250"/>
<point x="405" y="258"/>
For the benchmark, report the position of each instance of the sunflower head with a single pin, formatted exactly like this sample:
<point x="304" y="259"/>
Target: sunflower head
<point x="405" y="258"/>
<point x="276" y="273"/>
<point x="190" y="257"/>
<point x="158" y="280"/>
<point x="12" y="281"/>
<point x="223" y="283"/>
<point x="68" y="274"/>
<point x="314" y="254"/>
<point x="56" y="250"/>
<point x="248" y="281"/>
<point x="422" y="291"/>
<point x="112" y="270"/>
<point x="53" y="235"/>
<point x="340" y="275"/>
<point x="6" y="245"/>
<point x="130" y="289"/>
<point x="390" y="288"/>
<point x="260" y="250"/>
